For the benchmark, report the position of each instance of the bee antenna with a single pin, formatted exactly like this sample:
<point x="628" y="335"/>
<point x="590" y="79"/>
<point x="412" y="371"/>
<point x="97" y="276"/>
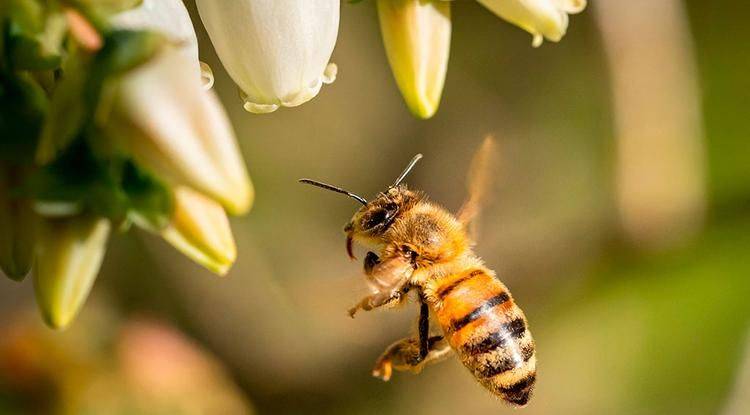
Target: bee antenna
<point x="407" y="170"/>
<point x="316" y="183"/>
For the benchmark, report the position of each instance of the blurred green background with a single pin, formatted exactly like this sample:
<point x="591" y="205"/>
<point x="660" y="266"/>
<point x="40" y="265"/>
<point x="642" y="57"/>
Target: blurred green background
<point x="619" y="218"/>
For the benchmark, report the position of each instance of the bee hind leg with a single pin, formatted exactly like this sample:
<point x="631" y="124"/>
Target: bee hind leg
<point x="405" y="355"/>
<point x="410" y="353"/>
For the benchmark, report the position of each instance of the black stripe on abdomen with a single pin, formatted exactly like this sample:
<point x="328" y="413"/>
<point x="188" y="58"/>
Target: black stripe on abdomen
<point x="497" y="366"/>
<point x="488" y="344"/>
<point x="443" y="292"/>
<point x="519" y="392"/>
<point x="511" y="330"/>
<point x="479" y="311"/>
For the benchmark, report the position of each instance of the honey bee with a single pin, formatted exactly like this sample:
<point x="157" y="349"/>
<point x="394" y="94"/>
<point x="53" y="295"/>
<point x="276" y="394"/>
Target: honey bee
<point x="424" y="248"/>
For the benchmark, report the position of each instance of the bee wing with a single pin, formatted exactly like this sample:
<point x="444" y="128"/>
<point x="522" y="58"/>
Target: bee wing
<point x="478" y="181"/>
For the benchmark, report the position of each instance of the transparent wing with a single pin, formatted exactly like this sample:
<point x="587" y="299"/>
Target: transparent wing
<point x="478" y="183"/>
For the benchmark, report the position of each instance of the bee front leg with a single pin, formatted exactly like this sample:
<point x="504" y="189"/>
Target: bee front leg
<point x="388" y="279"/>
<point x="376" y="300"/>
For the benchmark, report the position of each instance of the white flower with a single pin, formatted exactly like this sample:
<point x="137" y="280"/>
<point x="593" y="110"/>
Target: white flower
<point x="174" y="128"/>
<point x="276" y="51"/>
<point x="542" y="18"/>
<point x="171" y="18"/>
<point x="417" y="38"/>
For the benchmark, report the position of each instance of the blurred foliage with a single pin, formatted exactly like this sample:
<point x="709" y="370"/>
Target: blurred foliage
<point x="723" y="68"/>
<point x="106" y="365"/>
<point x="662" y="334"/>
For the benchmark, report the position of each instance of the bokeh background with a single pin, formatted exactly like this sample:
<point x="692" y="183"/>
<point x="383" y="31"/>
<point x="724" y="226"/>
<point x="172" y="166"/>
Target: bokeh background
<point x="619" y="217"/>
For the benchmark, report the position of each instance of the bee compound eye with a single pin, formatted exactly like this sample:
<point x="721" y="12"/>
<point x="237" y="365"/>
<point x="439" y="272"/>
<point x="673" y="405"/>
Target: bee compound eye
<point x="376" y="218"/>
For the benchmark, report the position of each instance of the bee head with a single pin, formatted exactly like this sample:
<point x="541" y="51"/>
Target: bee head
<point x="374" y="218"/>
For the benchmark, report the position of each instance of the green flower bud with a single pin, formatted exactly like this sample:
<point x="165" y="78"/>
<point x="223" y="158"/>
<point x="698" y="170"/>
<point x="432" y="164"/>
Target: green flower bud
<point x="200" y="230"/>
<point x="69" y="254"/>
<point x="417" y="37"/>
<point x="17" y="232"/>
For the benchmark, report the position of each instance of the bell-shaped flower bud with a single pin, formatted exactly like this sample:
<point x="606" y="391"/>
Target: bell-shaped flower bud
<point x="542" y="18"/>
<point x="69" y="254"/>
<point x="170" y="18"/>
<point x="177" y="130"/>
<point x="417" y="37"/>
<point x="277" y="52"/>
<point x="200" y="230"/>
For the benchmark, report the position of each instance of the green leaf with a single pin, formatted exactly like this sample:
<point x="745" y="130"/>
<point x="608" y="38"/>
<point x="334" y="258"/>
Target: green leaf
<point x="27" y="54"/>
<point x="27" y="15"/>
<point x="33" y="36"/>
<point x="23" y="105"/>
<point x="77" y="178"/>
<point x="110" y="6"/>
<point x="151" y="202"/>
<point x="67" y="113"/>
<point x="18" y="224"/>
<point x="78" y="181"/>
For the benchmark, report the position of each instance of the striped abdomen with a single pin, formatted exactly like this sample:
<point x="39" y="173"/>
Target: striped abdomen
<point x="488" y="331"/>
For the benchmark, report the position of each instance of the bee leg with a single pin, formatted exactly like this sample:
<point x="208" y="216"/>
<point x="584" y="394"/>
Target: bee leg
<point x="412" y="354"/>
<point x="388" y="279"/>
<point x="376" y="300"/>
<point x="405" y="355"/>
<point x="423" y="327"/>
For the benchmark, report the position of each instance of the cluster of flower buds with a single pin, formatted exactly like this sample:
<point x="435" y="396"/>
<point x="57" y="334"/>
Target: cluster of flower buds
<point x="106" y="121"/>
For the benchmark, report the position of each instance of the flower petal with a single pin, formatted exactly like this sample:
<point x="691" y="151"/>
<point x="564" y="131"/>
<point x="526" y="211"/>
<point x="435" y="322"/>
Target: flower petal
<point x="542" y="18"/>
<point x="169" y="17"/>
<point x="176" y="129"/>
<point x="276" y="52"/>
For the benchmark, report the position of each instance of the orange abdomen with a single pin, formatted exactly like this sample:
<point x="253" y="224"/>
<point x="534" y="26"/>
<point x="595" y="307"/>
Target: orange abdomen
<point x="488" y="331"/>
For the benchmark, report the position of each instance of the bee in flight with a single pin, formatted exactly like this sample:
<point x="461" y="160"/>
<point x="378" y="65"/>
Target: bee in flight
<point x="424" y="248"/>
